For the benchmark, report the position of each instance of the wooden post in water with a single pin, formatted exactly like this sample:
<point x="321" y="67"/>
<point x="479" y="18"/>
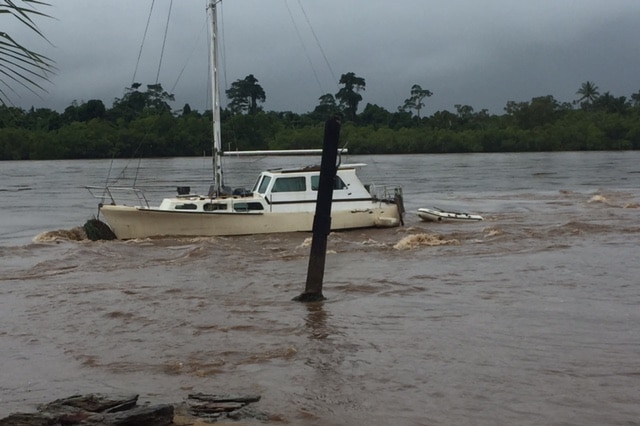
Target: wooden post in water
<point x="322" y="218"/>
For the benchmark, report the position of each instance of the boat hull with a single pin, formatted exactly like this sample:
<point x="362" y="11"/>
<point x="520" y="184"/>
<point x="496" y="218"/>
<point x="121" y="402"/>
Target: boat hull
<point x="129" y="222"/>
<point x="436" y="215"/>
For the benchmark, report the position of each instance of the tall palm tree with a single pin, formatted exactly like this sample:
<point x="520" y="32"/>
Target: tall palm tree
<point x="588" y="93"/>
<point x="18" y="64"/>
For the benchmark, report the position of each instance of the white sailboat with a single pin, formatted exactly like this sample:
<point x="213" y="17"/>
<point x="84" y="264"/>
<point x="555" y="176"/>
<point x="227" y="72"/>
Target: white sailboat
<point x="281" y="200"/>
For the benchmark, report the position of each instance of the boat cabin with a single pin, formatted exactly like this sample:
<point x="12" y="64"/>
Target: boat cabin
<point x="291" y="185"/>
<point x="276" y="189"/>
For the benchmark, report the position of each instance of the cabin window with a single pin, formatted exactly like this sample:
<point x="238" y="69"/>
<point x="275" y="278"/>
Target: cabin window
<point x="289" y="184"/>
<point x="245" y="207"/>
<point x="262" y="188"/>
<point x="337" y="183"/>
<point x="211" y="207"/>
<point x="189" y="206"/>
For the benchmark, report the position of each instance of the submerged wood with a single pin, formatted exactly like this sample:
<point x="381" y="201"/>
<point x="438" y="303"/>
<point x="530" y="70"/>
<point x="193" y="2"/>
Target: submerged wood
<point x="154" y="415"/>
<point x="96" y="403"/>
<point x="246" y="399"/>
<point x="322" y="218"/>
<point x="123" y="410"/>
<point x="91" y="409"/>
<point x="219" y="406"/>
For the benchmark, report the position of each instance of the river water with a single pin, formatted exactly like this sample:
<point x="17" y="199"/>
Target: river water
<point x="529" y="317"/>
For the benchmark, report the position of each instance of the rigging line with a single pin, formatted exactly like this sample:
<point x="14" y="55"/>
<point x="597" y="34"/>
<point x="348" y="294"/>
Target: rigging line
<point x="164" y="41"/>
<point x="144" y="37"/>
<point x="304" y="47"/>
<point x="318" y="42"/>
<point x="195" y="47"/>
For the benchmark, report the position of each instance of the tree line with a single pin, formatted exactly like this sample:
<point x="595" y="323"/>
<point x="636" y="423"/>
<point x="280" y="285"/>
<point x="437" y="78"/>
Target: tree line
<point x="143" y="123"/>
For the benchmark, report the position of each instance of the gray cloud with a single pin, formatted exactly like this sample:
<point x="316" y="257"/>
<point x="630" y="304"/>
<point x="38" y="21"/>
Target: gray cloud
<point x="481" y="54"/>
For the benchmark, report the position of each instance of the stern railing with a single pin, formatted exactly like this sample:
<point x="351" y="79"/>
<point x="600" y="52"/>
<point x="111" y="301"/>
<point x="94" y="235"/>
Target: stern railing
<point x="125" y="193"/>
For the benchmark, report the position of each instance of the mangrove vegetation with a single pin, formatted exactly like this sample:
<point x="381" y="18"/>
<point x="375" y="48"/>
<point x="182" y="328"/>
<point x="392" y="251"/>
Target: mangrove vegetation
<point x="143" y="123"/>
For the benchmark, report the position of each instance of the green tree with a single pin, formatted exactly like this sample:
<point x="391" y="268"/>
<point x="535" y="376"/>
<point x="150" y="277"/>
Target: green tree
<point x="326" y="108"/>
<point x="43" y="119"/>
<point x="186" y="110"/>
<point x="249" y="132"/>
<point x="94" y="108"/>
<point x="527" y="115"/>
<point x="403" y="119"/>
<point x="15" y="143"/>
<point x="443" y="120"/>
<point x="157" y="98"/>
<point x="415" y="100"/>
<point x="465" y="114"/>
<point x="611" y="104"/>
<point x="18" y="64"/>
<point x="375" y="116"/>
<point x="588" y="93"/>
<point x="154" y="100"/>
<point x="349" y="96"/>
<point x="245" y="95"/>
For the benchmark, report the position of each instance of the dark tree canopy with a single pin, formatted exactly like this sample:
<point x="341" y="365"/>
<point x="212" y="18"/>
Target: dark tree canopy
<point x="588" y="93"/>
<point x="245" y="95"/>
<point x="134" y="102"/>
<point x="326" y="108"/>
<point x="415" y="100"/>
<point x="349" y="96"/>
<point x="141" y="123"/>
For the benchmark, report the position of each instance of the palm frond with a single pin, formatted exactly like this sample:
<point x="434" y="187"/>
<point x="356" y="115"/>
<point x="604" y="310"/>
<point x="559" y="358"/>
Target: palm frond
<point x="18" y="64"/>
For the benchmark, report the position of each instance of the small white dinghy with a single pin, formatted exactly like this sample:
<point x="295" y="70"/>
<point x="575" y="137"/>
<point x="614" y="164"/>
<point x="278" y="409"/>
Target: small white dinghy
<point x="436" y="215"/>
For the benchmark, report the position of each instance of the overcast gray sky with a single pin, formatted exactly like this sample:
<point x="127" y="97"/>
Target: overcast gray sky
<point x="481" y="53"/>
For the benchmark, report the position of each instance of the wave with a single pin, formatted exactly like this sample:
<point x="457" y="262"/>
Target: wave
<point x="413" y="241"/>
<point x="73" y="234"/>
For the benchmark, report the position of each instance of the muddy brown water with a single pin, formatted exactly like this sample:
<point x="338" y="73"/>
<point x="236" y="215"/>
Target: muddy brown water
<point x="529" y="317"/>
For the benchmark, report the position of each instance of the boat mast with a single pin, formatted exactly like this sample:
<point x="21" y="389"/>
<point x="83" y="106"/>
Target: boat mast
<point x="215" y="97"/>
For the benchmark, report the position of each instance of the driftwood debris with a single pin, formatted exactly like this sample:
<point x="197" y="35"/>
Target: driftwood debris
<point x="94" y="409"/>
<point x="123" y="410"/>
<point x="214" y="407"/>
<point x="95" y="403"/>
